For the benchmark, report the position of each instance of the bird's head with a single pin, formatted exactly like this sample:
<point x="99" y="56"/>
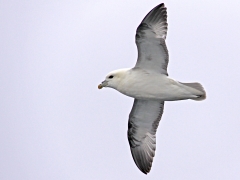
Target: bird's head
<point x="113" y="79"/>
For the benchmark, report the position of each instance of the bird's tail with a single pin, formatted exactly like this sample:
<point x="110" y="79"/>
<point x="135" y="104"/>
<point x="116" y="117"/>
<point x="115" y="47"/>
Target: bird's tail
<point x="197" y="86"/>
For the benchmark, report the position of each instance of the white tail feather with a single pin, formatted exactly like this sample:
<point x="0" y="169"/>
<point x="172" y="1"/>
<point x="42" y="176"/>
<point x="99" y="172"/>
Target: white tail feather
<point x="198" y="87"/>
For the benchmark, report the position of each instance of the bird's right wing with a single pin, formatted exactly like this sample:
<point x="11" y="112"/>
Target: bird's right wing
<point x="150" y="40"/>
<point x="142" y="126"/>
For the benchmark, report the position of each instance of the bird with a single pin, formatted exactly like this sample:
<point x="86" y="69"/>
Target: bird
<point x="150" y="86"/>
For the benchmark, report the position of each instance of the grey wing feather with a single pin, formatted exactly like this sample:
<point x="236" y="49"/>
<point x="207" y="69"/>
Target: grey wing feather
<point x="150" y="40"/>
<point x="142" y="126"/>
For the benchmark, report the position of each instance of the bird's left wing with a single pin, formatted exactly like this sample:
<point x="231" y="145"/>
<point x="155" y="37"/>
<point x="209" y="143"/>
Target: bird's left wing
<point x="150" y="40"/>
<point x="142" y="126"/>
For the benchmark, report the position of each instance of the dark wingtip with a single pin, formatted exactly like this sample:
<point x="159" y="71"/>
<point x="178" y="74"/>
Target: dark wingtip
<point x="142" y="168"/>
<point x="160" y="5"/>
<point x="144" y="171"/>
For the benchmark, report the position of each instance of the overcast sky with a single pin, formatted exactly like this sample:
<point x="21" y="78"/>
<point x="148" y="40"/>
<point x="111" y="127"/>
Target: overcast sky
<point x="56" y="124"/>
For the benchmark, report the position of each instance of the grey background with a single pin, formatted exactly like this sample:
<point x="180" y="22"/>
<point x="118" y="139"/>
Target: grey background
<point x="56" y="124"/>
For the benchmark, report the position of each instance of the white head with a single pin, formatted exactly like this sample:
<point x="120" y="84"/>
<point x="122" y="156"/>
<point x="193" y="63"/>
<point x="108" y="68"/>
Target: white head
<point x="113" y="78"/>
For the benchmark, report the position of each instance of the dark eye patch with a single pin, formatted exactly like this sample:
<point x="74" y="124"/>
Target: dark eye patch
<point x="110" y="77"/>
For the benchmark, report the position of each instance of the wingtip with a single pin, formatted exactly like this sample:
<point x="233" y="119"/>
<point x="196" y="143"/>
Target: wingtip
<point x="161" y="5"/>
<point x="142" y="159"/>
<point x="157" y="18"/>
<point x="144" y="172"/>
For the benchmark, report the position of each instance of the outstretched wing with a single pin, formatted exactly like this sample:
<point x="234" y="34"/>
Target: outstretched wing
<point x="150" y="40"/>
<point x="142" y="126"/>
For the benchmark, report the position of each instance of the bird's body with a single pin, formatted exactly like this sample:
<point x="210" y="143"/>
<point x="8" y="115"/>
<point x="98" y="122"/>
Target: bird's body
<point x="140" y="84"/>
<point x="148" y="83"/>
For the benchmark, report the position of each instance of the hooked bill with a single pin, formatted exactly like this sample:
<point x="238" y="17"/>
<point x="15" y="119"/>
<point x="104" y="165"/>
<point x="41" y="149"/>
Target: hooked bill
<point x="99" y="86"/>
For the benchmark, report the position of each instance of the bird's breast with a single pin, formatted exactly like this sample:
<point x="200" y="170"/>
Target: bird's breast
<point x="145" y="86"/>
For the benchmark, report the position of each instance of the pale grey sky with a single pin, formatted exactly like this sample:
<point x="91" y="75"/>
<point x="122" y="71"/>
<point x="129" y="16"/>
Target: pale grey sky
<point x="56" y="124"/>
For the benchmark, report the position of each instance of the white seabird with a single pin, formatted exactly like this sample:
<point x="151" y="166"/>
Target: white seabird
<point x="149" y="84"/>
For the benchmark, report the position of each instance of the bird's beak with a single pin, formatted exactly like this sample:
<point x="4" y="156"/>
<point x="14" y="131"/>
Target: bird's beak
<point x="103" y="84"/>
<point x="100" y="86"/>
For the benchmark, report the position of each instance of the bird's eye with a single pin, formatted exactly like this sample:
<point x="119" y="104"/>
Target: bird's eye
<point x="110" y="77"/>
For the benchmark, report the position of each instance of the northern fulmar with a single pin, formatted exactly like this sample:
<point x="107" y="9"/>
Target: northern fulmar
<point x="148" y="83"/>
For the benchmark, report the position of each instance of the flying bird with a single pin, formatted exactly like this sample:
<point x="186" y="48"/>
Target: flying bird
<point x="150" y="86"/>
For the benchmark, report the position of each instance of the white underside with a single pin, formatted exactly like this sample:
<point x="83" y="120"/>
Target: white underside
<point x="143" y="85"/>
